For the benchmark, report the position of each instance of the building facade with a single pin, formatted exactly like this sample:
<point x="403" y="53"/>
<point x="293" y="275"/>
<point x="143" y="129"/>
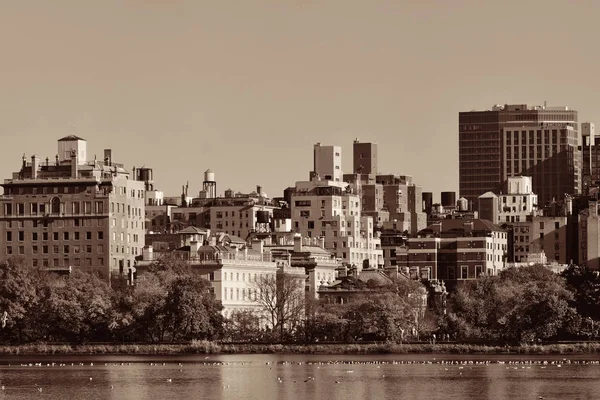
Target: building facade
<point x="73" y="213"/>
<point x="333" y="213"/>
<point x="483" y="149"/>
<point x="327" y="163"/>
<point x="454" y="250"/>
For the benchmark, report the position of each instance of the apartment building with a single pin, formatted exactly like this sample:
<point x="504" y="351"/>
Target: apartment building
<point x="455" y="250"/>
<point x="518" y="139"/>
<point x="73" y="213"/>
<point x="335" y="214"/>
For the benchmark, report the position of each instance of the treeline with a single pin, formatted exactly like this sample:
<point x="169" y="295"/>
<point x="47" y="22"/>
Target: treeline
<point x="173" y="304"/>
<point x="170" y="304"/>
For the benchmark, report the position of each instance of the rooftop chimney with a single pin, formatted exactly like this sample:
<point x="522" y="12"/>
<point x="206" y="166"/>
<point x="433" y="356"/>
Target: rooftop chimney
<point x="108" y="157"/>
<point x="35" y="165"/>
<point x="74" y="164"/>
<point x="257" y="245"/>
<point x="297" y="243"/>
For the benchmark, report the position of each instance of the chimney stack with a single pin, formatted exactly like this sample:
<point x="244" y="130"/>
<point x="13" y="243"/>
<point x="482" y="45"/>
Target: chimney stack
<point x="322" y="242"/>
<point x="257" y="245"/>
<point x="35" y="165"/>
<point x="108" y="157"/>
<point x="298" y="243"/>
<point x="74" y="164"/>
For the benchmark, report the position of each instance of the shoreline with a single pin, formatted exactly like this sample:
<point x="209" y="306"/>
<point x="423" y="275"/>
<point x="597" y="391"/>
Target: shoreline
<point x="206" y="347"/>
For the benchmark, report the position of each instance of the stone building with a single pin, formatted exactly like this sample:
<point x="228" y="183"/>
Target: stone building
<point x="73" y="213"/>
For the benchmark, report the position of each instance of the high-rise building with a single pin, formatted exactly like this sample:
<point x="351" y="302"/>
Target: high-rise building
<point x="331" y="210"/>
<point x="590" y="144"/>
<point x="511" y="140"/>
<point x="364" y="158"/>
<point x="327" y="163"/>
<point x="73" y="213"/>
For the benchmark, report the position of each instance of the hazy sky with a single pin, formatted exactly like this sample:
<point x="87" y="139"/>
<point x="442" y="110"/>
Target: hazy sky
<point x="247" y="87"/>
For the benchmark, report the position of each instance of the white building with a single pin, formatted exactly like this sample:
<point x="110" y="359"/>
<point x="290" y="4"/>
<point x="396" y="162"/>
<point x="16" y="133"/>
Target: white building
<point x="519" y="201"/>
<point x="328" y="163"/>
<point x="327" y="209"/>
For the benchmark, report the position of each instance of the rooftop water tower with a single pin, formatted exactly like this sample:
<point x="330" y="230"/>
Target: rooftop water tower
<point x="209" y="185"/>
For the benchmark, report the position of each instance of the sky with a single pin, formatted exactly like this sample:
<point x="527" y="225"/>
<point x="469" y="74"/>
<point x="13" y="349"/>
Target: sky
<point x="246" y="88"/>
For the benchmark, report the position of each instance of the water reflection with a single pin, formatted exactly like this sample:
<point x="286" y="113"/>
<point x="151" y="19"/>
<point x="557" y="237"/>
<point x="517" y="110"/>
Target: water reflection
<point x="295" y="377"/>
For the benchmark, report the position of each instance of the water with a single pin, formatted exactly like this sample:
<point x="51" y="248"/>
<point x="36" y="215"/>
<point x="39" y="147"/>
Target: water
<point x="296" y="377"/>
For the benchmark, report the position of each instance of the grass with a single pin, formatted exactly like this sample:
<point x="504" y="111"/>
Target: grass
<point x="208" y="347"/>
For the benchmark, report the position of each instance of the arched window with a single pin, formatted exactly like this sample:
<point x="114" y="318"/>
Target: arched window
<point x="55" y="205"/>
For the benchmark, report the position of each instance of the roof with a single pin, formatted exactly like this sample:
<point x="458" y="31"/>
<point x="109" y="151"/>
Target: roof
<point x="213" y="249"/>
<point x="305" y="249"/>
<point x="487" y="195"/>
<point x="458" y="224"/>
<point x="70" y="138"/>
<point x="378" y="276"/>
<point x="233" y="238"/>
<point x="192" y="230"/>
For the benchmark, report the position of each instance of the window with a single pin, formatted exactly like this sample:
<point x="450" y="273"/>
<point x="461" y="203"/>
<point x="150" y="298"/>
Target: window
<point x="66" y="235"/>
<point x="478" y="270"/>
<point x="464" y="272"/>
<point x="66" y="249"/>
<point x="557" y="225"/>
<point x="88" y="235"/>
<point x="9" y="236"/>
<point x="55" y="235"/>
<point x="55" y="249"/>
<point x="55" y="205"/>
<point x="100" y="235"/>
<point x="9" y="250"/>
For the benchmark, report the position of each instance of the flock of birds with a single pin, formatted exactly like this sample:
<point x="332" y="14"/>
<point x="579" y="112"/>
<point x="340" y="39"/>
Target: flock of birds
<point x="460" y="364"/>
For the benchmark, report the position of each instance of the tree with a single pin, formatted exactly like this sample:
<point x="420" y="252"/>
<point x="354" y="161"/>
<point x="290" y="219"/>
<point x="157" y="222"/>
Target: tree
<point x="76" y="307"/>
<point x="282" y="299"/>
<point x="18" y="298"/>
<point x="585" y="285"/>
<point x="243" y="325"/>
<point x="169" y="304"/>
<point x="519" y="305"/>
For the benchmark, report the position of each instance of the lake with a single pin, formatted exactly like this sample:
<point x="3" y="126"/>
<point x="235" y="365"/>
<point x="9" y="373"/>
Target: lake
<point x="296" y="377"/>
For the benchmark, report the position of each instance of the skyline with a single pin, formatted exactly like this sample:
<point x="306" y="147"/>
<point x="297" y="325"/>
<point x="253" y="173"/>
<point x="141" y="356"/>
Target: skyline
<point x="172" y="86"/>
